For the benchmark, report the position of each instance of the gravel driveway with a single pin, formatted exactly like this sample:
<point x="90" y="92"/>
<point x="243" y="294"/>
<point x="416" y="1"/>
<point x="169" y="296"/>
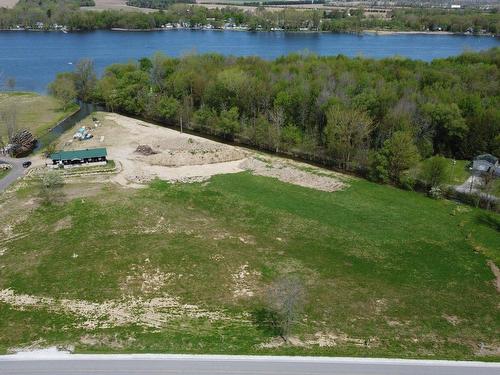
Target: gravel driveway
<point x="16" y="171"/>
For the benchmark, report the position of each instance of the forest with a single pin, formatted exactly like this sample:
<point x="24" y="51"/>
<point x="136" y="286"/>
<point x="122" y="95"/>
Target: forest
<point x="377" y="118"/>
<point x="29" y="13"/>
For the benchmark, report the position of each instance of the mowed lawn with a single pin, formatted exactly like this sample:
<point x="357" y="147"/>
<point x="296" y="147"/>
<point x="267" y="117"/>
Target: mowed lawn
<point x="37" y="113"/>
<point x="386" y="272"/>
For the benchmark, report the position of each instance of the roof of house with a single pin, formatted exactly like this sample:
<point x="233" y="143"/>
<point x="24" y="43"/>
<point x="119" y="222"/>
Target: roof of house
<point x="79" y="154"/>
<point x="487" y="157"/>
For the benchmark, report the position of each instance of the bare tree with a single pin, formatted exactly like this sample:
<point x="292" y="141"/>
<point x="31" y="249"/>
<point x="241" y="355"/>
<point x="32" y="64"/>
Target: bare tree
<point x="85" y="79"/>
<point x="277" y="117"/>
<point x="10" y="83"/>
<point x="488" y="182"/>
<point x="9" y="118"/>
<point x="286" y="300"/>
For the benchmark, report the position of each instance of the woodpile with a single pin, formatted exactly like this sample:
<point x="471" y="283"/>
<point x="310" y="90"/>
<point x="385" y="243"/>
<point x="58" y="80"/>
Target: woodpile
<point x="22" y="143"/>
<point x="145" y="150"/>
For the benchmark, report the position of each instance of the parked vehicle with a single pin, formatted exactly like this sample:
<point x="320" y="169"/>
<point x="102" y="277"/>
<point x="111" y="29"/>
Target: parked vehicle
<point x="26" y="164"/>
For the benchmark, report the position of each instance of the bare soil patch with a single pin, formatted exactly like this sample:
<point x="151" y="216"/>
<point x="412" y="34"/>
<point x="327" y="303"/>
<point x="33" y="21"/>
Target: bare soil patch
<point x="144" y="151"/>
<point x="175" y="157"/>
<point x="146" y="312"/>
<point x="292" y="173"/>
<point x="496" y="272"/>
<point x="321" y="339"/>
<point x="244" y="281"/>
<point x="8" y="3"/>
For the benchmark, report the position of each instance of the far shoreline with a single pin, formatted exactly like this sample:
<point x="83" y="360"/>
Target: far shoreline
<point x="367" y="31"/>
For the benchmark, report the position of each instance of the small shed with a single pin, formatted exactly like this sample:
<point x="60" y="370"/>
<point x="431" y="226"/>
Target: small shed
<point x="79" y="157"/>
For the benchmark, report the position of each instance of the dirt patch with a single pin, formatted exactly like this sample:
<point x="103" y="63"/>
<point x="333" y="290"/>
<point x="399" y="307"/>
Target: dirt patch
<point x="145" y="280"/>
<point x="8" y="3"/>
<point x="107" y="341"/>
<point x="243" y="281"/>
<point x="293" y="174"/>
<point x="145" y="150"/>
<point x="64" y="223"/>
<point x="487" y="350"/>
<point x="147" y="313"/>
<point x="321" y="339"/>
<point x="496" y="272"/>
<point x="176" y="157"/>
<point x="452" y="319"/>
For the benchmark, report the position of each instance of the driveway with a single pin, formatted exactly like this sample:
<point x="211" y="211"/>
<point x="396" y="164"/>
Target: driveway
<point x="16" y="171"/>
<point x="472" y="186"/>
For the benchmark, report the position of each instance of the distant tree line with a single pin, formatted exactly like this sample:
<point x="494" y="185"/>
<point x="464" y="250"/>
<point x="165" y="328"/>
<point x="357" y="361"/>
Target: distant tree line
<point x="374" y="117"/>
<point x="157" y="4"/>
<point x="29" y="13"/>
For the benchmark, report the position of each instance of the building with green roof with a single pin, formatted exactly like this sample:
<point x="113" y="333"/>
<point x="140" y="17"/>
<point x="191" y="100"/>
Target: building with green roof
<point x="78" y="157"/>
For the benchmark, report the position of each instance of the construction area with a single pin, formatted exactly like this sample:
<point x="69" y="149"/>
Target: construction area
<point x="143" y="152"/>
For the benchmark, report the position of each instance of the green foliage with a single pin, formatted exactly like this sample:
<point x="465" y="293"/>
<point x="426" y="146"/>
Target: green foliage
<point x="435" y="171"/>
<point x="167" y="108"/>
<point x="50" y="186"/>
<point x="335" y="110"/>
<point x="228" y="122"/>
<point x="66" y="12"/>
<point x="85" y="79"/>
<point x="64" y="89"/>
<point x="397" y="156"/>
<point x="347" y="133"/>
<point x="447" y="121"/>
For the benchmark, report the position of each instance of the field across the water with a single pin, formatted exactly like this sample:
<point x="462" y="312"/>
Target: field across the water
<point x="186" y="267"/>
<point x="31" y="111"/>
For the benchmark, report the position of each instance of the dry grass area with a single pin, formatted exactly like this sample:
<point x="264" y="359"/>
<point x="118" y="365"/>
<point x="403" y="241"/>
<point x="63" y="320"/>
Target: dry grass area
<point x="8" y="3"/>
<point x="34" y="112"/>
<point x="114" y="5"/>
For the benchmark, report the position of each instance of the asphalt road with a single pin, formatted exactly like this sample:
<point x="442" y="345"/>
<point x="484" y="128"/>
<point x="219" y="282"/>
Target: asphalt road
<point x="236" y="365"/>
<point x="16" y="171"/>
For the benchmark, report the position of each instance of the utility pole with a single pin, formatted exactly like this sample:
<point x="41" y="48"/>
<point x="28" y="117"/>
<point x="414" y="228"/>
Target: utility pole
<point x="453" y="163"/>
<point x="471" y="183"/>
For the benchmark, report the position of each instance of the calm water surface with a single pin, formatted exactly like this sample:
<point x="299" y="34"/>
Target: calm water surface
<point x="34" y="58"/>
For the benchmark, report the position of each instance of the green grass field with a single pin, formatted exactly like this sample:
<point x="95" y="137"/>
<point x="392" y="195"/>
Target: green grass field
<point x="457" y="173"/>
<point x="387" y="272"/>
<point x="34" y="112"/>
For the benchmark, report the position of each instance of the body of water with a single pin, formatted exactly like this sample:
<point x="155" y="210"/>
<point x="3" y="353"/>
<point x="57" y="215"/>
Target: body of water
<point x="33" y="58"/>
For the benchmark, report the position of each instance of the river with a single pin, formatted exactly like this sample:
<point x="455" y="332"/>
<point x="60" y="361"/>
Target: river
<point x="33" y="58"/>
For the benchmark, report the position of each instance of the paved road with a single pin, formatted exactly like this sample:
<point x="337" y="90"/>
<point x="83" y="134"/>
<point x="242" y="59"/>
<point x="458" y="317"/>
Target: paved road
<point x="233" y="365"/>
<point x="16" y="171"/>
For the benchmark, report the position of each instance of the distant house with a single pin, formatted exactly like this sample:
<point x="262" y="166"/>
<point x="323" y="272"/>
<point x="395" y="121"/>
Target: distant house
<point x="94" y="156"/>
<point x="486" y="163"/>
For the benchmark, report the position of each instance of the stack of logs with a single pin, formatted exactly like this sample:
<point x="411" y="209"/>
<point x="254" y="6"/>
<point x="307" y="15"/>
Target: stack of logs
<point x="22" y="143"/>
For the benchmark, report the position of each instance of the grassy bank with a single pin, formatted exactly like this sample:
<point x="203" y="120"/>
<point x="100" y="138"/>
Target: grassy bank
<point x="4" y="172"/>
<point x="34" y="112"/>
<point x="457" y="174"/>
<point x="387" y="272"/>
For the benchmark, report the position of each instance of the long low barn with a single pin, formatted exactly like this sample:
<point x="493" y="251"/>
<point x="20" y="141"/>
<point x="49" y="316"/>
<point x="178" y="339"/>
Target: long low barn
<point x="79" y="157"/>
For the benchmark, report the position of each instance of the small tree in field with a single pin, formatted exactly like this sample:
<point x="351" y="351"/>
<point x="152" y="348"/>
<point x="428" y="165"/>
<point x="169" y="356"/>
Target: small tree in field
<point x="49" y="150"/>
<point x="51" y="184"/>
<point x="286" y="301"/>
<point x="435" y="171"/>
